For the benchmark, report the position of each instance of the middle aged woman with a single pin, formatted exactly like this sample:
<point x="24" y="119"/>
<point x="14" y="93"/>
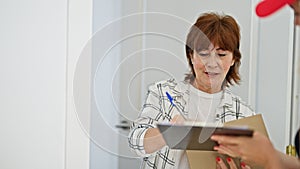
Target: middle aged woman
<point x="212" y="51"/>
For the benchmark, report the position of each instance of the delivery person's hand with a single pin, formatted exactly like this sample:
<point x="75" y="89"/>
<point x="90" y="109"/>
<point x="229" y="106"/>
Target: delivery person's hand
<point x="231" y="163"/>
<point x="256" y="149"/>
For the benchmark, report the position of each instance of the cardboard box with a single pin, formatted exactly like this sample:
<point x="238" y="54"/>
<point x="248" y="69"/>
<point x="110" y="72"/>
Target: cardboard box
<point x="207" y="159"/>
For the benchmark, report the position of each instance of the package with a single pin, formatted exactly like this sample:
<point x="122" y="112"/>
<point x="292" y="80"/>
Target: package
<point x="207" y="159"/>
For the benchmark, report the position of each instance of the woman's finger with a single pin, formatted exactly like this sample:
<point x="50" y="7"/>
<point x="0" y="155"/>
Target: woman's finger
<point x="177" y="119"/>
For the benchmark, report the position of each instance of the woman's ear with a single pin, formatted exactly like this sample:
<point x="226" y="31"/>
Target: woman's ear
<point x="232" y="62"/>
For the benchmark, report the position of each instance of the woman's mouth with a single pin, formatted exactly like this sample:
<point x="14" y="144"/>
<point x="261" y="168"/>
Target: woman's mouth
<point x="211" y="74"/>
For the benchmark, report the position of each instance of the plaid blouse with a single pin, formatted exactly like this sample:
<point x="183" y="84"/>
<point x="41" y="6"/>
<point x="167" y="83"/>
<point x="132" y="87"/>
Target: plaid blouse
<point x="157" y="108"/>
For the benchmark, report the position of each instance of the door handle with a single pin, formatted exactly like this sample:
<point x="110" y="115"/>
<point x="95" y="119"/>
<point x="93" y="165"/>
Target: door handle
<point x="123" y="125"/>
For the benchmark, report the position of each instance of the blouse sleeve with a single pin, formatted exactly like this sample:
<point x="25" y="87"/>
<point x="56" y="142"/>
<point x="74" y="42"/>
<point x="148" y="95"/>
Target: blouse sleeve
<point x="151" y="114"/>
<point x="245" y="109"/>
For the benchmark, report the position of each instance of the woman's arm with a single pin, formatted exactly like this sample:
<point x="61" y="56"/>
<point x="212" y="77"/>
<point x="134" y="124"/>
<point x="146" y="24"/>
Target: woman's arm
<point x="153" y="140"/>
<point x="144" y="136"/>
<point x="143" y="132"/>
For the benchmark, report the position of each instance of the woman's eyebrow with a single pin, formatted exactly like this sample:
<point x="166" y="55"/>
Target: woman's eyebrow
<point x="204" y="49"/>
<point x="220" y="48"/>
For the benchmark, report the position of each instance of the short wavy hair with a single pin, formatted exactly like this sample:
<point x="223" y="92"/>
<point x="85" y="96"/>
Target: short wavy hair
<point x="221" y="30"/>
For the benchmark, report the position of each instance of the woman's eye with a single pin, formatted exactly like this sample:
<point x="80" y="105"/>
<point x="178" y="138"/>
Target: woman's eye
<point x="204" y="54"/>
<point x="222" y="54"/>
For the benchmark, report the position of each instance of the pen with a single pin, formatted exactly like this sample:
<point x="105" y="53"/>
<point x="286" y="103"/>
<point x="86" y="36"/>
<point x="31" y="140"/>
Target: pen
<point x="175" y="105"/>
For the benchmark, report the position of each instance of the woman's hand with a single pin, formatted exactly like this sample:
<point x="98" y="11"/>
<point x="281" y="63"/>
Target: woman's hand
<point x="177" y="119"/>
<point x="153" y="139"/>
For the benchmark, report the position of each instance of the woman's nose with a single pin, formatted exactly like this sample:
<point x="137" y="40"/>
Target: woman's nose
<point x="212" y="61"/>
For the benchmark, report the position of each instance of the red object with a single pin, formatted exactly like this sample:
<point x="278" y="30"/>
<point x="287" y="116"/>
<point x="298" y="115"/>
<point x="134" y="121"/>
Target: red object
<point x="267" y="7"/>
<point x="228" y="159"/>
<point x="243" y="164"/>
<point x="218" y="159"/>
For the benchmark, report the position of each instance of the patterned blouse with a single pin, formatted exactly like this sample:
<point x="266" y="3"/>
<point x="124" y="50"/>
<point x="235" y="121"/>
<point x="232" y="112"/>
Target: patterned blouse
<point x="157" y="108"/>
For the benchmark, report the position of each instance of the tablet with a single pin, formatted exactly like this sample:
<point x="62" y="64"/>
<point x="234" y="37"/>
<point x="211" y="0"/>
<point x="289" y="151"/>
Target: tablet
<point x="191" y="137"/>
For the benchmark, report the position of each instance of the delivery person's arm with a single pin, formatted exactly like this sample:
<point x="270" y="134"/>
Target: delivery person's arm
<point x="257" y="149"/>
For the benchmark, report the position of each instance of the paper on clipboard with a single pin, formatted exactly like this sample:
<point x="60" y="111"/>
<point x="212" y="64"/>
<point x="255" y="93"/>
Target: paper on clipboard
<point x="195" y="136"/>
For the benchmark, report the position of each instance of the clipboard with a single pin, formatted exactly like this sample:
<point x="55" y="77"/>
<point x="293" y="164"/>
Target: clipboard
<point x="197" y="137"/>
<point x="207" y="159"/>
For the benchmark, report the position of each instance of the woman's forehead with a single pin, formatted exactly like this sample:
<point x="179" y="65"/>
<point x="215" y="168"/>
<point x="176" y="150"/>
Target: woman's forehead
<point x="214" y="46"/>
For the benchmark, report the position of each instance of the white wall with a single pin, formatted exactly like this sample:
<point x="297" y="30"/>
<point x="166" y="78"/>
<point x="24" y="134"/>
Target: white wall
<point x="274" y="74"/>
<point x="78" y="70"/>
<point x="33" y="72"/>
<point x="104" y="148"/>
<point x="39" y="47"/>
<point x="296" y="92"/>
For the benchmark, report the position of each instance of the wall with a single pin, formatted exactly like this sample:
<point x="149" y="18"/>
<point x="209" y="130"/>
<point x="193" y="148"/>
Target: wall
<point x="296" y="87"/>
<point x="40" y="44"/>
<point x="78" y="70"/>
<point x="104" y="147"/>
<point x="274" y="74"/>
<point x="33" y="82"/>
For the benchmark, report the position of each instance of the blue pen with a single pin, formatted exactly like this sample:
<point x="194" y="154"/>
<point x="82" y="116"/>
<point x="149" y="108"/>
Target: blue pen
<point x="171" y="101"/>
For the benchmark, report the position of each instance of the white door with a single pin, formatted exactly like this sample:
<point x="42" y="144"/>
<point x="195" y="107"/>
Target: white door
<point x="112" y="52"/>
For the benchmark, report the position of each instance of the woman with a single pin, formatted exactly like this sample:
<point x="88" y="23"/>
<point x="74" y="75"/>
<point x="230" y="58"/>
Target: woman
<point x="212" y="51"/>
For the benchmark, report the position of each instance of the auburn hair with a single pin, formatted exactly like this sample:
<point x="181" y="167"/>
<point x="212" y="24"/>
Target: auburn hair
<point x="216" y="29"/>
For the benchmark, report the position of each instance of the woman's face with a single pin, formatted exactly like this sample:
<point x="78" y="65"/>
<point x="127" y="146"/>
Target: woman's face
<point x="211" y="67"/>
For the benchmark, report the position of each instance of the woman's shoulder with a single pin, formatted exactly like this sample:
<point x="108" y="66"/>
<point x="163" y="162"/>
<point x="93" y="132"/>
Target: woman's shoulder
<point x="232" y="95"/>
<point x="236" y="100"/>
<point x="169" y="84"/>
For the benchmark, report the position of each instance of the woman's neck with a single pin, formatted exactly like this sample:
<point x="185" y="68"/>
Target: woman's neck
<point x="210" y="89"/>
